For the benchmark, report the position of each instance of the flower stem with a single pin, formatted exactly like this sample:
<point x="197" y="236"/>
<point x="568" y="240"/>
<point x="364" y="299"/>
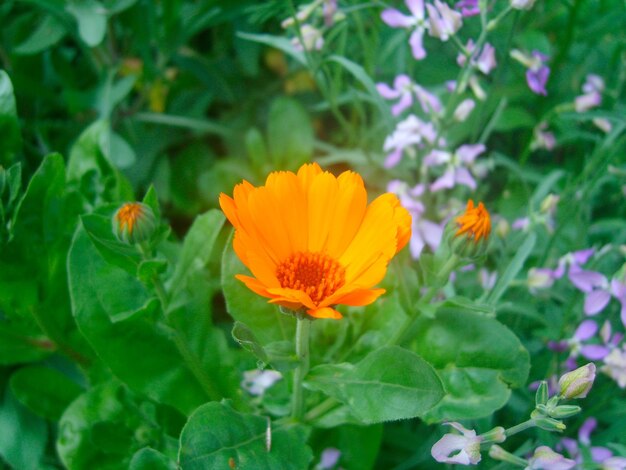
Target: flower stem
<point x="520" y="427"/>
<point x="303" y="329"/>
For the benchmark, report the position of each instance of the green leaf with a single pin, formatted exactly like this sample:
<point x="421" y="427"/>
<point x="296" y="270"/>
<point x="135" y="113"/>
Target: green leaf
<point x="11" y="141"/>
<point x="197" y="248"/>
<point x="23" y="437"/>
<point x="265" y="320"/>
<point x="246" y="339"/>
<point x="49" y="32"/>
<point x="46" y="392"/>
<point x="374" y="391"/>
<point x="277" y="42"/>
<point x="98" y="227"/>
<point x="256" y="149"/>
<point x="74" y="444"/>
<point x="151" y="459"/>
<point x="512" y="270"/>
<point x="290" y="134"/>
<point x="478" y="359"/>
<point x="19" y="344"/>
<point x="91" y="18"/>
<point x="117" y="150"/>
<point x="514" y="118"/>
<point x="363" y="77"/>
<point x="216" y="435"/>
<point x="123" y="346"/>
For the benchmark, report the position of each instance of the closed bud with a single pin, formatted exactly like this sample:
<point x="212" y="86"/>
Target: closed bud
<point x="134" y="222"/>
<point x="577" y="383"/>
<point x="564" y="411"/>
<point x="497" y="434"/>
<point x="546" y="423"/>
<point x="541" y="397"/>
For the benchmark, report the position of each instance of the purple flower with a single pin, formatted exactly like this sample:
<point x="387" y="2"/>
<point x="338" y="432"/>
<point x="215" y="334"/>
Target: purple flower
<point x="468" y="8"/>
<point x="404" y="89"/>
<point x="618" y="289"/>
<point x="592" y="94"/>
<point x="485" y="61"/>
<point x="312" y="39"/>
<point x="615" y="365"/>
<point x="542" y="139"/>
<point x="462" y="449"/>
<point x="545" y="458"/>
<point x="443" y="20"/>
<point x="396" y="19"/>
<point x="537" y="75"/>
<point x="424" y="232"/>
<point x="464" y="109"/>
<point x="256" y="381"/>
<point x="537" y="72"/>
<point x="329" y="458"/>
<point x="408" y="133"/>
<point x="599" y="454"/>
<point x="457" y="164"/>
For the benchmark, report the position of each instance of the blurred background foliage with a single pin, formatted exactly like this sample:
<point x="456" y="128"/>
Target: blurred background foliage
<point x="189" y="97"/>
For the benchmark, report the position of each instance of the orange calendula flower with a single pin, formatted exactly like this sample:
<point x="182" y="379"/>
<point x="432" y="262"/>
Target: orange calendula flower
<point x="475" y="222"/>
<point x="311" y="240"/>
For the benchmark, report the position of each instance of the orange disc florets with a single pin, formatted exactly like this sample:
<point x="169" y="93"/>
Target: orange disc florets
<point x="314" y="273"/>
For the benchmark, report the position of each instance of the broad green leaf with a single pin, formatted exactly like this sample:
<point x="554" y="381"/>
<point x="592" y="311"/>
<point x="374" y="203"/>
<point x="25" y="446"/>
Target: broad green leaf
<point x="74" y="442"/>
<point x="49" y="32"/>
<point x="359" y="445"/>
<point x="478" y="359"/>
<point x="123" y="346"/>
<point x="46" y="392"/>
<point x="265" y="320"/>
<point x="23" y="437"/>
<point x="117" y="150"/>
<point x="217" y="436"/>
<point x="374" y="391"/>
<point x="98" y="227"/>
<point x="246" y="339"/>
<point x="20" y="344"/>
<point x="11" y="141"/>
<point x="197" y="248"/>
<point x="151" y="459"/>
<point x="91" y="18"/>
<point x="289" y="134"/>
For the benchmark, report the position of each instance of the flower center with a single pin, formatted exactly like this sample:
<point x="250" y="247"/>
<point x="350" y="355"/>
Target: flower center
<point x="316" y="274"/>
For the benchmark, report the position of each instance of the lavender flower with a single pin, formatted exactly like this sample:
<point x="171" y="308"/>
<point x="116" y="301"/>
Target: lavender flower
<point x="468" y="8"/>
<point x="443" y="20"/>
<point x="417" y="22"/>
<point x="457" y="164"/>
<point x="404" y="89"/>
<point x="537" y="72"/>
<point x="312" y="39"/>
<point x="542" y="139"/>
<point x="592" y="94"/>
<point x="256" y="382"/>
<point x="329" y="459"/>
<point x="464" y="109"/>
<point x="545" y="458"/>
<point x="483" y="60"/>
<point x="461" y="449"/>
<point x="408" y="133"/>
<point x="615" y="365"/>
<point x="424" y="232"/>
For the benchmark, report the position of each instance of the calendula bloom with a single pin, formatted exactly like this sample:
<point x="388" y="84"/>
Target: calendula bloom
<point x="311" y="240"/>
<point x="475" y="222"/>
<point x="133" y="222"/>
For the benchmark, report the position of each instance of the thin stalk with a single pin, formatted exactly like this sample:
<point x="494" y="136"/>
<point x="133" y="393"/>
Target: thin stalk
<point x="303" y="330"/>
<point x="520" y="427"/>
<point x="190" y="358"/>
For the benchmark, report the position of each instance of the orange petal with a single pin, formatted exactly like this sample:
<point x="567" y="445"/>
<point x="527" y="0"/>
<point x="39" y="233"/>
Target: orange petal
<point x="321" y="203"/>
<point x="325" y="312"/>
<point x="356" y="298"/>
<point x="254" y="285"/>
<point x="281" y="294"/>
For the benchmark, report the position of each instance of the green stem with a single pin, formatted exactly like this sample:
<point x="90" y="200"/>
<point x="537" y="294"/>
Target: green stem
<point x="520" y="427"/>
<point x="321" y="409"/>
<point x="188" y="355"/>
<point x="303" y="330"/>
